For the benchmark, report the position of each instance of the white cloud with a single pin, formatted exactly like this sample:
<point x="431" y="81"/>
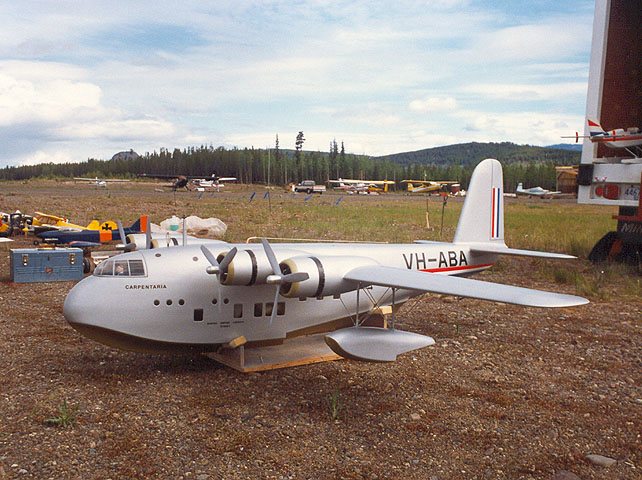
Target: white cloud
<point x="433" y="104"/>
<point x="525" y="127"/>
<point x="39" y="156"/>
<point x="527" y="92"/>
<point x="548" y="40"/>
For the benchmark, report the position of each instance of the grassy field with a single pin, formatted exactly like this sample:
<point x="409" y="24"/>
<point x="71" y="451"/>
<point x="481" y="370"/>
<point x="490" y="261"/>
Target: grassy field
<point x="555" y="225"/>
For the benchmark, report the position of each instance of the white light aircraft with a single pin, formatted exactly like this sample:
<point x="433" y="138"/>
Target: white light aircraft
<point x="206" y="296"/>
<point x="362" y="186"/>
<point x="629" y="139"/>
<point x="535" y="191"/>
<point x="99" y="182"/>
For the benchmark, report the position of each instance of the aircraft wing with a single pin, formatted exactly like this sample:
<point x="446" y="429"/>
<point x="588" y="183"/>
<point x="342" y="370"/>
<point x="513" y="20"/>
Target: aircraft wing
<point x="463" y="287"/>
<point x="52" y="217"/>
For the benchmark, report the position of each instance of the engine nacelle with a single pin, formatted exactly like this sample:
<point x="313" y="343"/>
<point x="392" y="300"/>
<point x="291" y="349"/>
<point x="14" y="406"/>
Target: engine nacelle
<point x="250" y="267"/>
<point x="168" y="239"/>
<point x="158" y="240"/>
<point x="325" y="275"/>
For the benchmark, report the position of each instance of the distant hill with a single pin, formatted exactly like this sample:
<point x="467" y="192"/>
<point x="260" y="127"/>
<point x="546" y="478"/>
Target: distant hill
<point x="576" y="147"/>
<point x="468" y="154"/>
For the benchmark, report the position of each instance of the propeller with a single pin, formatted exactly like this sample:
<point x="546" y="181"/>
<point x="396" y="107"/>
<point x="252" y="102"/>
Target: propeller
<point x="218" y="269"/>
<point x="127" y="247"/>
<point x="277" y="277"/>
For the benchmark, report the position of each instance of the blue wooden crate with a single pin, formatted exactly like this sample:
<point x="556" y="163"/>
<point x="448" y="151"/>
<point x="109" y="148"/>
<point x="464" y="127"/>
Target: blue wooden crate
<point x="46" y="265"/>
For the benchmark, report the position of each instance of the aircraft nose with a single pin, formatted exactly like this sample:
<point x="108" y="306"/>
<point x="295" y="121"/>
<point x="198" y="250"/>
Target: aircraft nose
<point x="77" y="305"/>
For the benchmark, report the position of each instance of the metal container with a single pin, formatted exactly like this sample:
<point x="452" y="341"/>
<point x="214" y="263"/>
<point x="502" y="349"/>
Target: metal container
<point x="46" y="265"/>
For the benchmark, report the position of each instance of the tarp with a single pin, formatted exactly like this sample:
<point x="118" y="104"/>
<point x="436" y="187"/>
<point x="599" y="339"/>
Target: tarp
<point x="200" y="227"/>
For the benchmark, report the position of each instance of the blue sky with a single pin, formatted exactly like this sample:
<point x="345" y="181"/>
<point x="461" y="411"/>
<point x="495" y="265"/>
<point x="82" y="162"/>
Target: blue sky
<point x="80" y="80"/>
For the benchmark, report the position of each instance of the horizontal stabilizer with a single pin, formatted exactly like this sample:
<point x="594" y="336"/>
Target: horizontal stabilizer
<point x="504" y="250"/>
<point x="374" y="344"/>
<point x="463" y="287"/>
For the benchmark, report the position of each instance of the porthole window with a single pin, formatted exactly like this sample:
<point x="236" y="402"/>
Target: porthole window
<point x="181" y="302"/>
<point x="169" y="301"/>
<point x="238" y="310"/>
<point x="157" y="302"/>
<point x="214" y="301"/>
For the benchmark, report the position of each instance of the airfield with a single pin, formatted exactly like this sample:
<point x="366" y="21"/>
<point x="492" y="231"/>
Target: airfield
<point x="506" y="391"/>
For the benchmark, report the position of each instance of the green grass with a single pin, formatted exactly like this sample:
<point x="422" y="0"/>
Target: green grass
<point x="66" y="415"/>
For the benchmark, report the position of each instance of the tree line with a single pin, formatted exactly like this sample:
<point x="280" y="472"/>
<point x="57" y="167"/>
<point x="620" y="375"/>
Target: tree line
<point x="278" y="166"/>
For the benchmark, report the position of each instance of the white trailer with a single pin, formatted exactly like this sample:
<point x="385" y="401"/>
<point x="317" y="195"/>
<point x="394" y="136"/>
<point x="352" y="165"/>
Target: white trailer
<point x="612" y="176"/>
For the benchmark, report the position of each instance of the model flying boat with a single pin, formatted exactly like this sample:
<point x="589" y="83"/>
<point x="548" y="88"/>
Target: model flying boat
<point x="207" y="296"/>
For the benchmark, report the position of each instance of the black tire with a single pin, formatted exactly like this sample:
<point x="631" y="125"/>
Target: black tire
<point x="86" y="265"/>
<point x="611" y="248"/>
<point x="309" y="190"/>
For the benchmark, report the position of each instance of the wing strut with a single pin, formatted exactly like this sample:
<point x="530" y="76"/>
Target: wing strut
<point x="392" y="314"/>
<point x="356" y="318"/>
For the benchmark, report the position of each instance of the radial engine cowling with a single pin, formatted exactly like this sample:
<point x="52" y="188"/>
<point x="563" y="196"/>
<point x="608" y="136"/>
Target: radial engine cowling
<point x="325" y="275"/>
<point x="249" y="267"/>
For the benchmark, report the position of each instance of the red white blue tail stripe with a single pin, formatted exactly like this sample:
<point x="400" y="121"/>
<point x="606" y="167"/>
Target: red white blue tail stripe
<point x="595" y="129"/>
<point x="496" y="214"/>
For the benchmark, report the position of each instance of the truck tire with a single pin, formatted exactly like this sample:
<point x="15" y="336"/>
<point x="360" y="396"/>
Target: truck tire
<point x="610" y="247"/>
<point x="308" y="191"/>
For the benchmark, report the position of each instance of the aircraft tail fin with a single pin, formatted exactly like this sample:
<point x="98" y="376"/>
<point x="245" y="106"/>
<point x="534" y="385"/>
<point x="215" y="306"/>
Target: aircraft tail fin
<point x="482" y="217"/>
<point x="93" y="225"/>
<point x="595" y="128"/>
<point x="140" y="225"/>
<point x="481" y="223"/>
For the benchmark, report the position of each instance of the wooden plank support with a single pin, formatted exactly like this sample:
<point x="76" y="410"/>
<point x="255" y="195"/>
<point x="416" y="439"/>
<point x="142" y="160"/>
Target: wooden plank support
<point x="304" y="350"/>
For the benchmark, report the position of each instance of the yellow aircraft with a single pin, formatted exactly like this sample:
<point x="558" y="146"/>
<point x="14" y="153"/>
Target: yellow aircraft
<point x="428" y="186"/>
<point x="43" y="222"/>
<point x="5" y="230"/>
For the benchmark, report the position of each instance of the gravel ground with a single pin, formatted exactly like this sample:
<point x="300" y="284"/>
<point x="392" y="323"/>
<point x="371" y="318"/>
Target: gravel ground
<point x="506" y="392"/>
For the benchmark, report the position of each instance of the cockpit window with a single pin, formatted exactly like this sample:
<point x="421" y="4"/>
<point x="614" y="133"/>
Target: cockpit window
<point x="121" y="268"/>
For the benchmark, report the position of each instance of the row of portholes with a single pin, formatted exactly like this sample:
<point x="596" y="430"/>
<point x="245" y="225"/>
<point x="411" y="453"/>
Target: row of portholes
<point x="169" y="301"/>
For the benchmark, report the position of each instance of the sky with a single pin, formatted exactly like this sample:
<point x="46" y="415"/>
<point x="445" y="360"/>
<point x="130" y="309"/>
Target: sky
<point x="88" y="79"/>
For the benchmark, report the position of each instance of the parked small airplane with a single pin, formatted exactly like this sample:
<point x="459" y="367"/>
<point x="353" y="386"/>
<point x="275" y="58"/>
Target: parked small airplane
<point x="203" y="297"/>
<point x="189" y="182"/>
<point x="43" y="222"/>
<point x="427" y="186"/>
<point x="362" y="186"/>
<point x="99" y="182"/>
<point x="535" y="191"/>
<point x="91" y="238"/>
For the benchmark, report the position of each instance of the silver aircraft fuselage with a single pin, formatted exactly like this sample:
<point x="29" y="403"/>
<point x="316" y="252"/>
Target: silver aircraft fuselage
<point x="175" y="302"/>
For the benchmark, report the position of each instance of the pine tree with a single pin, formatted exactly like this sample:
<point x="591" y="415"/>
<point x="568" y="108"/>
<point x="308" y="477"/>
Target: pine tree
<point x="297" y="154"/>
